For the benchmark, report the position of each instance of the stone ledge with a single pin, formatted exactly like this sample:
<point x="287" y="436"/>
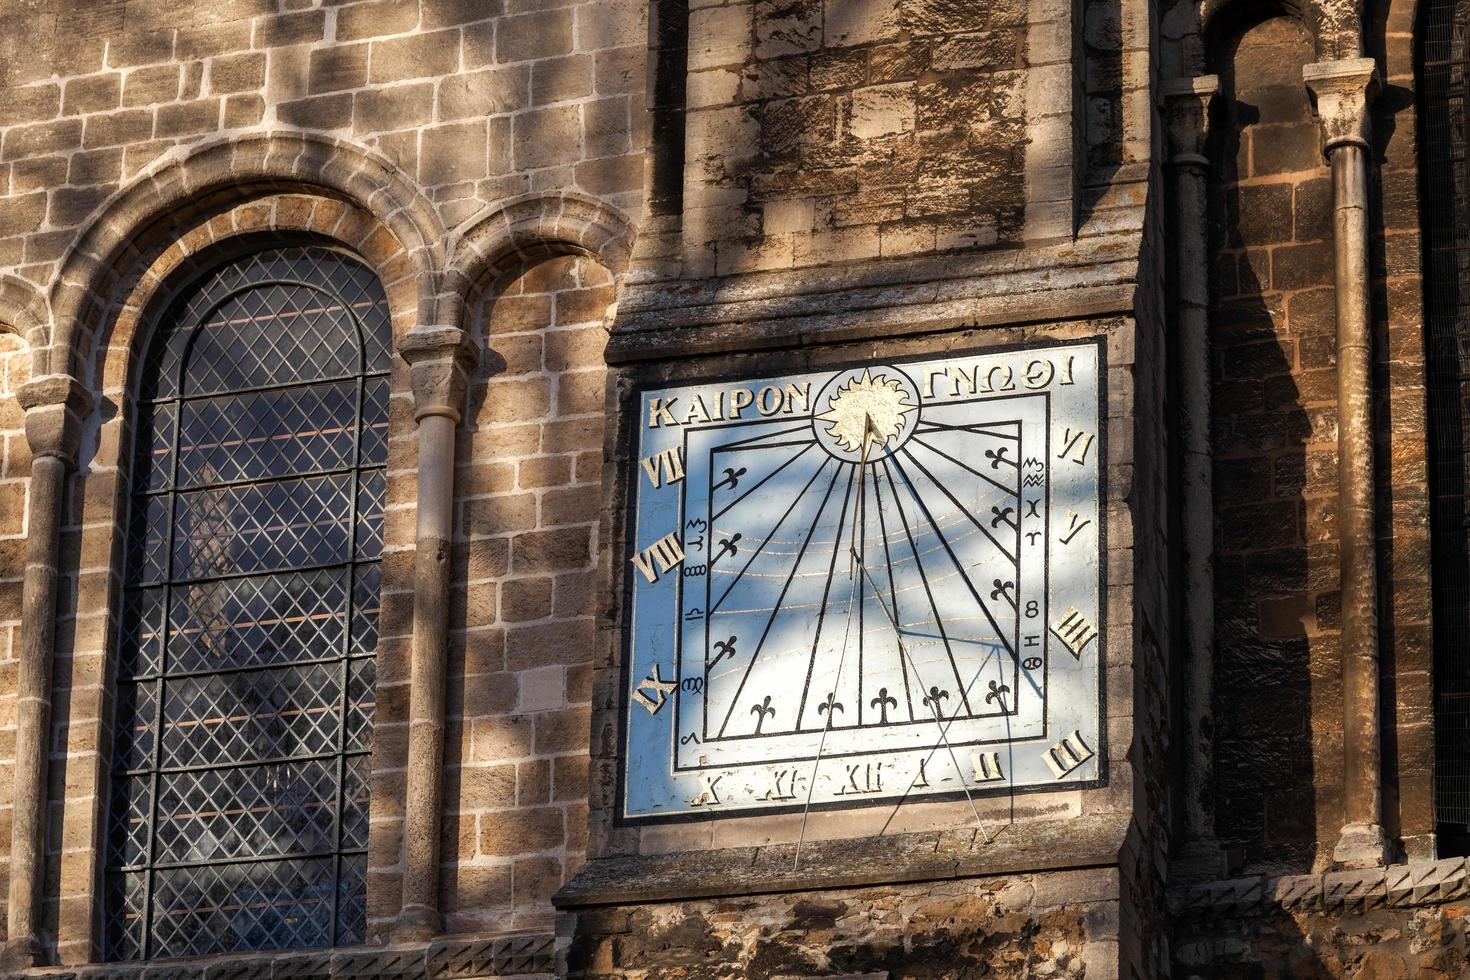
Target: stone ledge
<point x="866" y="300"/>
<point x="1342" y="892"/>
<point x="447" y="958"/>
<point x="833" y="864"/>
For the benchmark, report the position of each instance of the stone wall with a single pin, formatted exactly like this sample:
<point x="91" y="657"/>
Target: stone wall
<point x="477" y="102"/>
<point x="14" y="470"/>
<point x="1023" y="925"/>
<point x="1278" y="679"/>
<point x="1278" y="688"/>
<point x="852" y="129"/>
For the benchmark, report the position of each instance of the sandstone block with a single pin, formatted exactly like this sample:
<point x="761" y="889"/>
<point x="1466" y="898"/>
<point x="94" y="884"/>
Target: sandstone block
<point x="415" y="56"/>
<point x="528" y="37"/>
<point x="377" y="18"/>
<point x="483" y="93"/>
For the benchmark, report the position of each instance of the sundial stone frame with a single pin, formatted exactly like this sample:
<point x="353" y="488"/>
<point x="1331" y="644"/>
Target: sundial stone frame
<point x="627" y="399"/>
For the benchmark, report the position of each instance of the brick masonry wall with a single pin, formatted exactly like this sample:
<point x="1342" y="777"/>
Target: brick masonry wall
<point x="1278" y="681"/>
<point x="1403" y="492"/>
<point x="1278" y="690"/>
<point x="476" y="100"/>
<point x="530" y="487"/>
<point x="15" y="461"/>
<point x="849" y="129"/>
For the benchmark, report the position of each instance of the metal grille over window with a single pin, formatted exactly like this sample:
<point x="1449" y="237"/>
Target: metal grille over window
<point x="245" y="682"/>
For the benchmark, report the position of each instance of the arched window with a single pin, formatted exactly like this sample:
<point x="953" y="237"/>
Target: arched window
<point x="245" y="675"/>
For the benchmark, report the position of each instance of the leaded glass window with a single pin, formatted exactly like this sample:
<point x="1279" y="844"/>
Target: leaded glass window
<point x="239" y="805"/>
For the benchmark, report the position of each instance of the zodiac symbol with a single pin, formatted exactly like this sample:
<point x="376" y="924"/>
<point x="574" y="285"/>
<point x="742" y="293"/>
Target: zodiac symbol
<point x="732" y="478"/>
<point x="830" y="706"/>
<point x="998" y="692"/>
<point x="762" y="711"/>
<point x="728" y="547"/>
<point x="883" y="702"/>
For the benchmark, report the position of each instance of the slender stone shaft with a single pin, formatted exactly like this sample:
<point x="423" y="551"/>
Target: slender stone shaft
<point x="54" y="405"/>
<point x="1189" y="104"/>
<point x="1343" y="90"/>
<point x="441" y="359"/>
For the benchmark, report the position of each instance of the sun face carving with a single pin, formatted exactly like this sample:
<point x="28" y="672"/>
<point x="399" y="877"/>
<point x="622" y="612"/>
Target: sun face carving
<point x="867" y="413"/>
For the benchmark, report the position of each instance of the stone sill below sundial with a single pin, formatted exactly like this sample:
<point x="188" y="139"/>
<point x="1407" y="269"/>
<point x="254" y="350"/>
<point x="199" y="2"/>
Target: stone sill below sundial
<point x="1041" y="846"/>
<point x="876" y="298"/>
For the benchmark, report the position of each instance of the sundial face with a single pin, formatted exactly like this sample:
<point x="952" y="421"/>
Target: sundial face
<point x="866" y="584"/>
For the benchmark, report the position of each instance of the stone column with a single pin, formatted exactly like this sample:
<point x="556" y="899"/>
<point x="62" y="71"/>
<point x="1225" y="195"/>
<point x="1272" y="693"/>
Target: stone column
<point x="1342" y="90"/>
<point x="1188" y="104"/>
<point x="55" y="405"/>
<point x="441" y="359"/>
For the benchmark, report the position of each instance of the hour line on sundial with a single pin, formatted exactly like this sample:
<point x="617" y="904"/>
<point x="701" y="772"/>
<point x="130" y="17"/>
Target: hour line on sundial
<point x="826" y="562"/>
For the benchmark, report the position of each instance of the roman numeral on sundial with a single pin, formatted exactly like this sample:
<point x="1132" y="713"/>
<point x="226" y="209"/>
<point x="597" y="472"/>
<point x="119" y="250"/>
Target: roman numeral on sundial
<point x="1068" y="754"/>
<point x="664" y="467"/>
<point x="664" y="553"/>
<point x="1075" y="632"/>
<point x="986" y="766"/>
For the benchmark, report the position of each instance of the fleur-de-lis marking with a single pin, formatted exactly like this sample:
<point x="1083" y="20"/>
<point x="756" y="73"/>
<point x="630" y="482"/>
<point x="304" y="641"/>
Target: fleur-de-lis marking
<point x="830" y="706"/>
<point x="723" y="649"/>
<point x="997" y="457"/>
<point x="732" y="478"/>
<point x="728" y="546"/>
<point x="998" y="692"/>
<point x="883" y="702"/>
<point x="931" y="700"/>
<point x="762" y="711"/>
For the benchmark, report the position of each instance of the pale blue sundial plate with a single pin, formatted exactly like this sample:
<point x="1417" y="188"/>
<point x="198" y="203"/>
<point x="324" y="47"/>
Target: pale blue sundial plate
<point x="866" y="584"/>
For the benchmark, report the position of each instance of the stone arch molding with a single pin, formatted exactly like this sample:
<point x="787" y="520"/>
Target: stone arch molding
<point x="204" y="178"/>
<point x="22" y="310"/>
<point x="1193" y="31"/>
<point x="528" y="228"/>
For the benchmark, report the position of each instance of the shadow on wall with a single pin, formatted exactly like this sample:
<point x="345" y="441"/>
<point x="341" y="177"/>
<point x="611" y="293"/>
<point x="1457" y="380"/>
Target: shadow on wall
<point x="1274" y="389"/>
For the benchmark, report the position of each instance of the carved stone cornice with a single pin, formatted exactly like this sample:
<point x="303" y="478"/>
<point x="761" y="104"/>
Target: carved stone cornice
<point x="1187" y="107"/>
<point x="1342" y="90"/>
<point x="441" y="359"/>
<point x="55" y="406"/>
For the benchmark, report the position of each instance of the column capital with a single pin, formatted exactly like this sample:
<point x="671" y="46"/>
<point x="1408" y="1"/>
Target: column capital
<point x="441" y="359"/>
<point x="1342" y="90"/>
<point x="1187" y="108"/>
<point x="55" y="405"/>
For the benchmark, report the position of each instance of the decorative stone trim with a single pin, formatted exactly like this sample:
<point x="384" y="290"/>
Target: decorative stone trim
<point x="441" y="359"/>
<point x="444" y="959"/>
<point x="524" y="230"/>
<point x="182" y="187"/>
<point x="1339" y="893"/>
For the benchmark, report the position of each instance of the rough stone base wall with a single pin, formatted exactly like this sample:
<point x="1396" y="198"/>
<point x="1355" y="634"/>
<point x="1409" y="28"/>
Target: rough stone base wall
<point x="1020" y="926"/>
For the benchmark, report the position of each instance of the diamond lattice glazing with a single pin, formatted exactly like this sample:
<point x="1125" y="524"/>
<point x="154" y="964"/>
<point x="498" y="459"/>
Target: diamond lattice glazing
<point x="239" y="807"/>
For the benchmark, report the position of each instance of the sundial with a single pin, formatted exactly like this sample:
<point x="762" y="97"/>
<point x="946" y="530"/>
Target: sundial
<point x="866" y="584"/>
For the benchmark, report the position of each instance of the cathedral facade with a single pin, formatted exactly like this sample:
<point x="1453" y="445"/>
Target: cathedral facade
<point x="734" y="488"/>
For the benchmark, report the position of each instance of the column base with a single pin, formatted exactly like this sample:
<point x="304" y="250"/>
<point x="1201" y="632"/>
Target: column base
<point x="1199" y="860"/>
<point x="416" y="924"/>
<point x="1362" y="845"/>
<point x="21" y="954"/>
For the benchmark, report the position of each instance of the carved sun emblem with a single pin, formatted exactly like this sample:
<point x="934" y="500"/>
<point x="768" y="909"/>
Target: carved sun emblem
<point x="869" y="411"/>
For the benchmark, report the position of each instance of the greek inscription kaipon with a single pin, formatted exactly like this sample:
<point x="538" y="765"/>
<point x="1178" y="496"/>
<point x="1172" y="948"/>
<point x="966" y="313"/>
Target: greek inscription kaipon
<point x="870" y="558"/>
